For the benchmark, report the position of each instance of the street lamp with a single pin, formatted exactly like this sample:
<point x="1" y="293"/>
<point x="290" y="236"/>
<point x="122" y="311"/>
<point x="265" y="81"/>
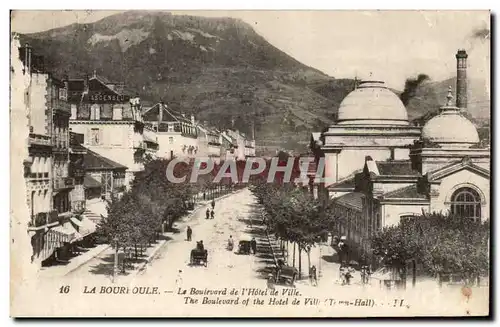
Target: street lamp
<point x="115" y="265"/>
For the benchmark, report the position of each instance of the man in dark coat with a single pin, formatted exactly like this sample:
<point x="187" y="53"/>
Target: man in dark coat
<point x="208" y="213"/>
<point x="253" y="244"/>
<point x="189" y="232"/>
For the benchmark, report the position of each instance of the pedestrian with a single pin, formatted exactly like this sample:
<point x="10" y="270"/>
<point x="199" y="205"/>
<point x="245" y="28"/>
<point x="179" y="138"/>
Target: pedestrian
<point x="253" y="244"/>
<point x="208" y="213"/>
<point x="189" y="232"/>
<point x="313" y="278"/>
<point x="212" y="214"/>
<point x="178" y="280"/>
<point x="204" y="196"/>
<point x="213" y="204"/>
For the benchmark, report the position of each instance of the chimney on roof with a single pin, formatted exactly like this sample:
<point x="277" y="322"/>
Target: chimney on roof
<point x="95" y="74"/>
<point x="86" y="83"/>
<point x="160" y="112"/>
<point x="66" y="82"/>
<point x="461" y="79"/>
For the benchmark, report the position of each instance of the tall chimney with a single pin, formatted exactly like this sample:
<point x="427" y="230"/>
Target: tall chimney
<point x="461" y="79"/>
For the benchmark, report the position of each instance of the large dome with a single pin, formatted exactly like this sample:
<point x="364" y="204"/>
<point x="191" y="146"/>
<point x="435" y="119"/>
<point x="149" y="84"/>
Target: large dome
<point x="372" y="103"/>
<point x="450" y="128"/>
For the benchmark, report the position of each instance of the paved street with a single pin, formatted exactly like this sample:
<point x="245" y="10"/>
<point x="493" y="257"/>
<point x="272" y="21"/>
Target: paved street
<point x="234" y="216"/>
<point x="237" y="215"/>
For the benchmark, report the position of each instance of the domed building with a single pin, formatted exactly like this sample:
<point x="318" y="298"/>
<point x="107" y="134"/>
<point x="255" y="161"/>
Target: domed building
<point x="371" y="121"/>
<point x="379" y="169"/>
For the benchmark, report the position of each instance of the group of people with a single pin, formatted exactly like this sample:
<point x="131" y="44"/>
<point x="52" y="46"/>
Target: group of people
<point x="210" y="214"/>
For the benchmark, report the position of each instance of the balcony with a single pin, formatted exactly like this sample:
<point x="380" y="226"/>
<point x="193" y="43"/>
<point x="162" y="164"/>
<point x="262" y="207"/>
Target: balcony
<point x="63" y="183"/>
<point x="140" y="145"/>
<point x="44" y="218"/>
<point x="38" y="139"/>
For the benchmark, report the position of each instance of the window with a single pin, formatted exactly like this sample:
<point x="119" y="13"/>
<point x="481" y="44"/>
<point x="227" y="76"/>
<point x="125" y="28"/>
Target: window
<point x="94" y="136"/>
<point x="466" y="203"/>
<point x="170" y="140"/>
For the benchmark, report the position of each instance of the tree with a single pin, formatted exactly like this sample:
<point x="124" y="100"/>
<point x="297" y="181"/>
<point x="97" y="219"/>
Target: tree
<point x="441" y="243"/>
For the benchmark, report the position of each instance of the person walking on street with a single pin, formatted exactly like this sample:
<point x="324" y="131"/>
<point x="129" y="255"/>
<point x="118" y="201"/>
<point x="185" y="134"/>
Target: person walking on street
<point x="189" y="232"/>
<point x="208" y="213"/>
<point x="212" y="214"/>
<point x="253" y="244"/>
<point x="313" y="278"/>
<point x="213" y="204"/>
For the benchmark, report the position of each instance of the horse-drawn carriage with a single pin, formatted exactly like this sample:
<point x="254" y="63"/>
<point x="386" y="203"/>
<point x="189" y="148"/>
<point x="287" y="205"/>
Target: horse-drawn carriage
<point x="245" y="245"/>
<point x="199" y="256"/>
<point x="284" y="274"/>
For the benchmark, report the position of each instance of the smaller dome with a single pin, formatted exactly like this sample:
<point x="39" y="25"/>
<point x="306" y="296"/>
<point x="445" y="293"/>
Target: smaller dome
<point x="450" y="127"/>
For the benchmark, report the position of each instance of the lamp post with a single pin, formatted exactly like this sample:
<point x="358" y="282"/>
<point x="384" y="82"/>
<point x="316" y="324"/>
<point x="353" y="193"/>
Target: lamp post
<point x="115" y="265"/>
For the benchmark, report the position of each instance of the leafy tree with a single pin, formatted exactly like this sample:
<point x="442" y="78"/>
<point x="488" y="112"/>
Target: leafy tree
<point x="441" y="243"/>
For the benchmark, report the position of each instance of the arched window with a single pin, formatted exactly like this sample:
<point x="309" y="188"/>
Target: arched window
<point x="466" y="203"/>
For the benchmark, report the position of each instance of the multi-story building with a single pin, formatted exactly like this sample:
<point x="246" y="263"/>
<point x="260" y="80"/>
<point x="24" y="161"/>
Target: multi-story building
<point x="47" y="168"/>
<point x="176" y="134"/>
<point x="110" y="121"/>
<point x="241" y="146"/>
<point x="209" y="142"/>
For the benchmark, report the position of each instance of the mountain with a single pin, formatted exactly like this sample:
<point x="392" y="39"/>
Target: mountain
<point x="219" y="69"/>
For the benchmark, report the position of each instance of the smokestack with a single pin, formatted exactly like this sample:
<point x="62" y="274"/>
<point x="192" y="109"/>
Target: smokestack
<point x="461" y="79"/>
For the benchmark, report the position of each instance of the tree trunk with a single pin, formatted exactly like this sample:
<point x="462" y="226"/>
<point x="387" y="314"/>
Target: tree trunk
<point x="293" y="264"/>
<point x="300" y="262"/>
<point x="309" y="259"/>
<point x="414" y="273"/>
<point x="136" y="254"/>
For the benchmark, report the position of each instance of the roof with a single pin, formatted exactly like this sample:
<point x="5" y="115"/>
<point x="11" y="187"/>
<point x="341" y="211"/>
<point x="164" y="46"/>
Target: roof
<point x="94" y="161"/>
<point x="353" y="199"/>
<point x="346" y="183"/>
<point x="169" y="115"/>
<point x="396" y="168"/>
<point x="408" y="192"/>
<point x="90" y="182"/>
<point x="372" y="103"/>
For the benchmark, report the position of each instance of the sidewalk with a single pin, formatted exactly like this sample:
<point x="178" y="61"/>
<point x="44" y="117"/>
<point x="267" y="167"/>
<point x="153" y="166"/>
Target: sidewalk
<point x="62" y="270"/>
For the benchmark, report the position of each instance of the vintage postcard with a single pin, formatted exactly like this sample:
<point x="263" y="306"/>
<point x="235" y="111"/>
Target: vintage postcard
<point x="250" y="163"/>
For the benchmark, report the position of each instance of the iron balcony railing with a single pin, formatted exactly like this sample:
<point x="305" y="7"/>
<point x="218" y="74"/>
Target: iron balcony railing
<point x="38" y="139"/>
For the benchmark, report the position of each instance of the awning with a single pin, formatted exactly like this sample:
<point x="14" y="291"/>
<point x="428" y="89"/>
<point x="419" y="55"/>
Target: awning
<point x="149" y="139"/>
<point x="65" y="235"/>
<point x="88" y="227"/>
<point x="90" y="182"/>
<point x="76" y="221"/>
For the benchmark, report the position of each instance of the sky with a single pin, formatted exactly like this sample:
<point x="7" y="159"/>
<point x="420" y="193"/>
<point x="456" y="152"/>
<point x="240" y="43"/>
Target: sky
<point x="389" y="45"/>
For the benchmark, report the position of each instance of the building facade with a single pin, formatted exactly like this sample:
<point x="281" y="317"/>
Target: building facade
<point x="49" y="180"/>
<point x="110" y="122"/>
<point x="177" y="135"/>
<point x="446" y="169"/>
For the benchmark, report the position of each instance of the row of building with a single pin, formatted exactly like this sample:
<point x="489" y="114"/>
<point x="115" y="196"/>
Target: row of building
<point x="384" y="169"/>
<point x="86" y="141"/>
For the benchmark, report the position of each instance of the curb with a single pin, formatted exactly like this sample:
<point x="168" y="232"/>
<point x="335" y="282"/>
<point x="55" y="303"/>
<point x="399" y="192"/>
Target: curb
<point x="87" y="260"/>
